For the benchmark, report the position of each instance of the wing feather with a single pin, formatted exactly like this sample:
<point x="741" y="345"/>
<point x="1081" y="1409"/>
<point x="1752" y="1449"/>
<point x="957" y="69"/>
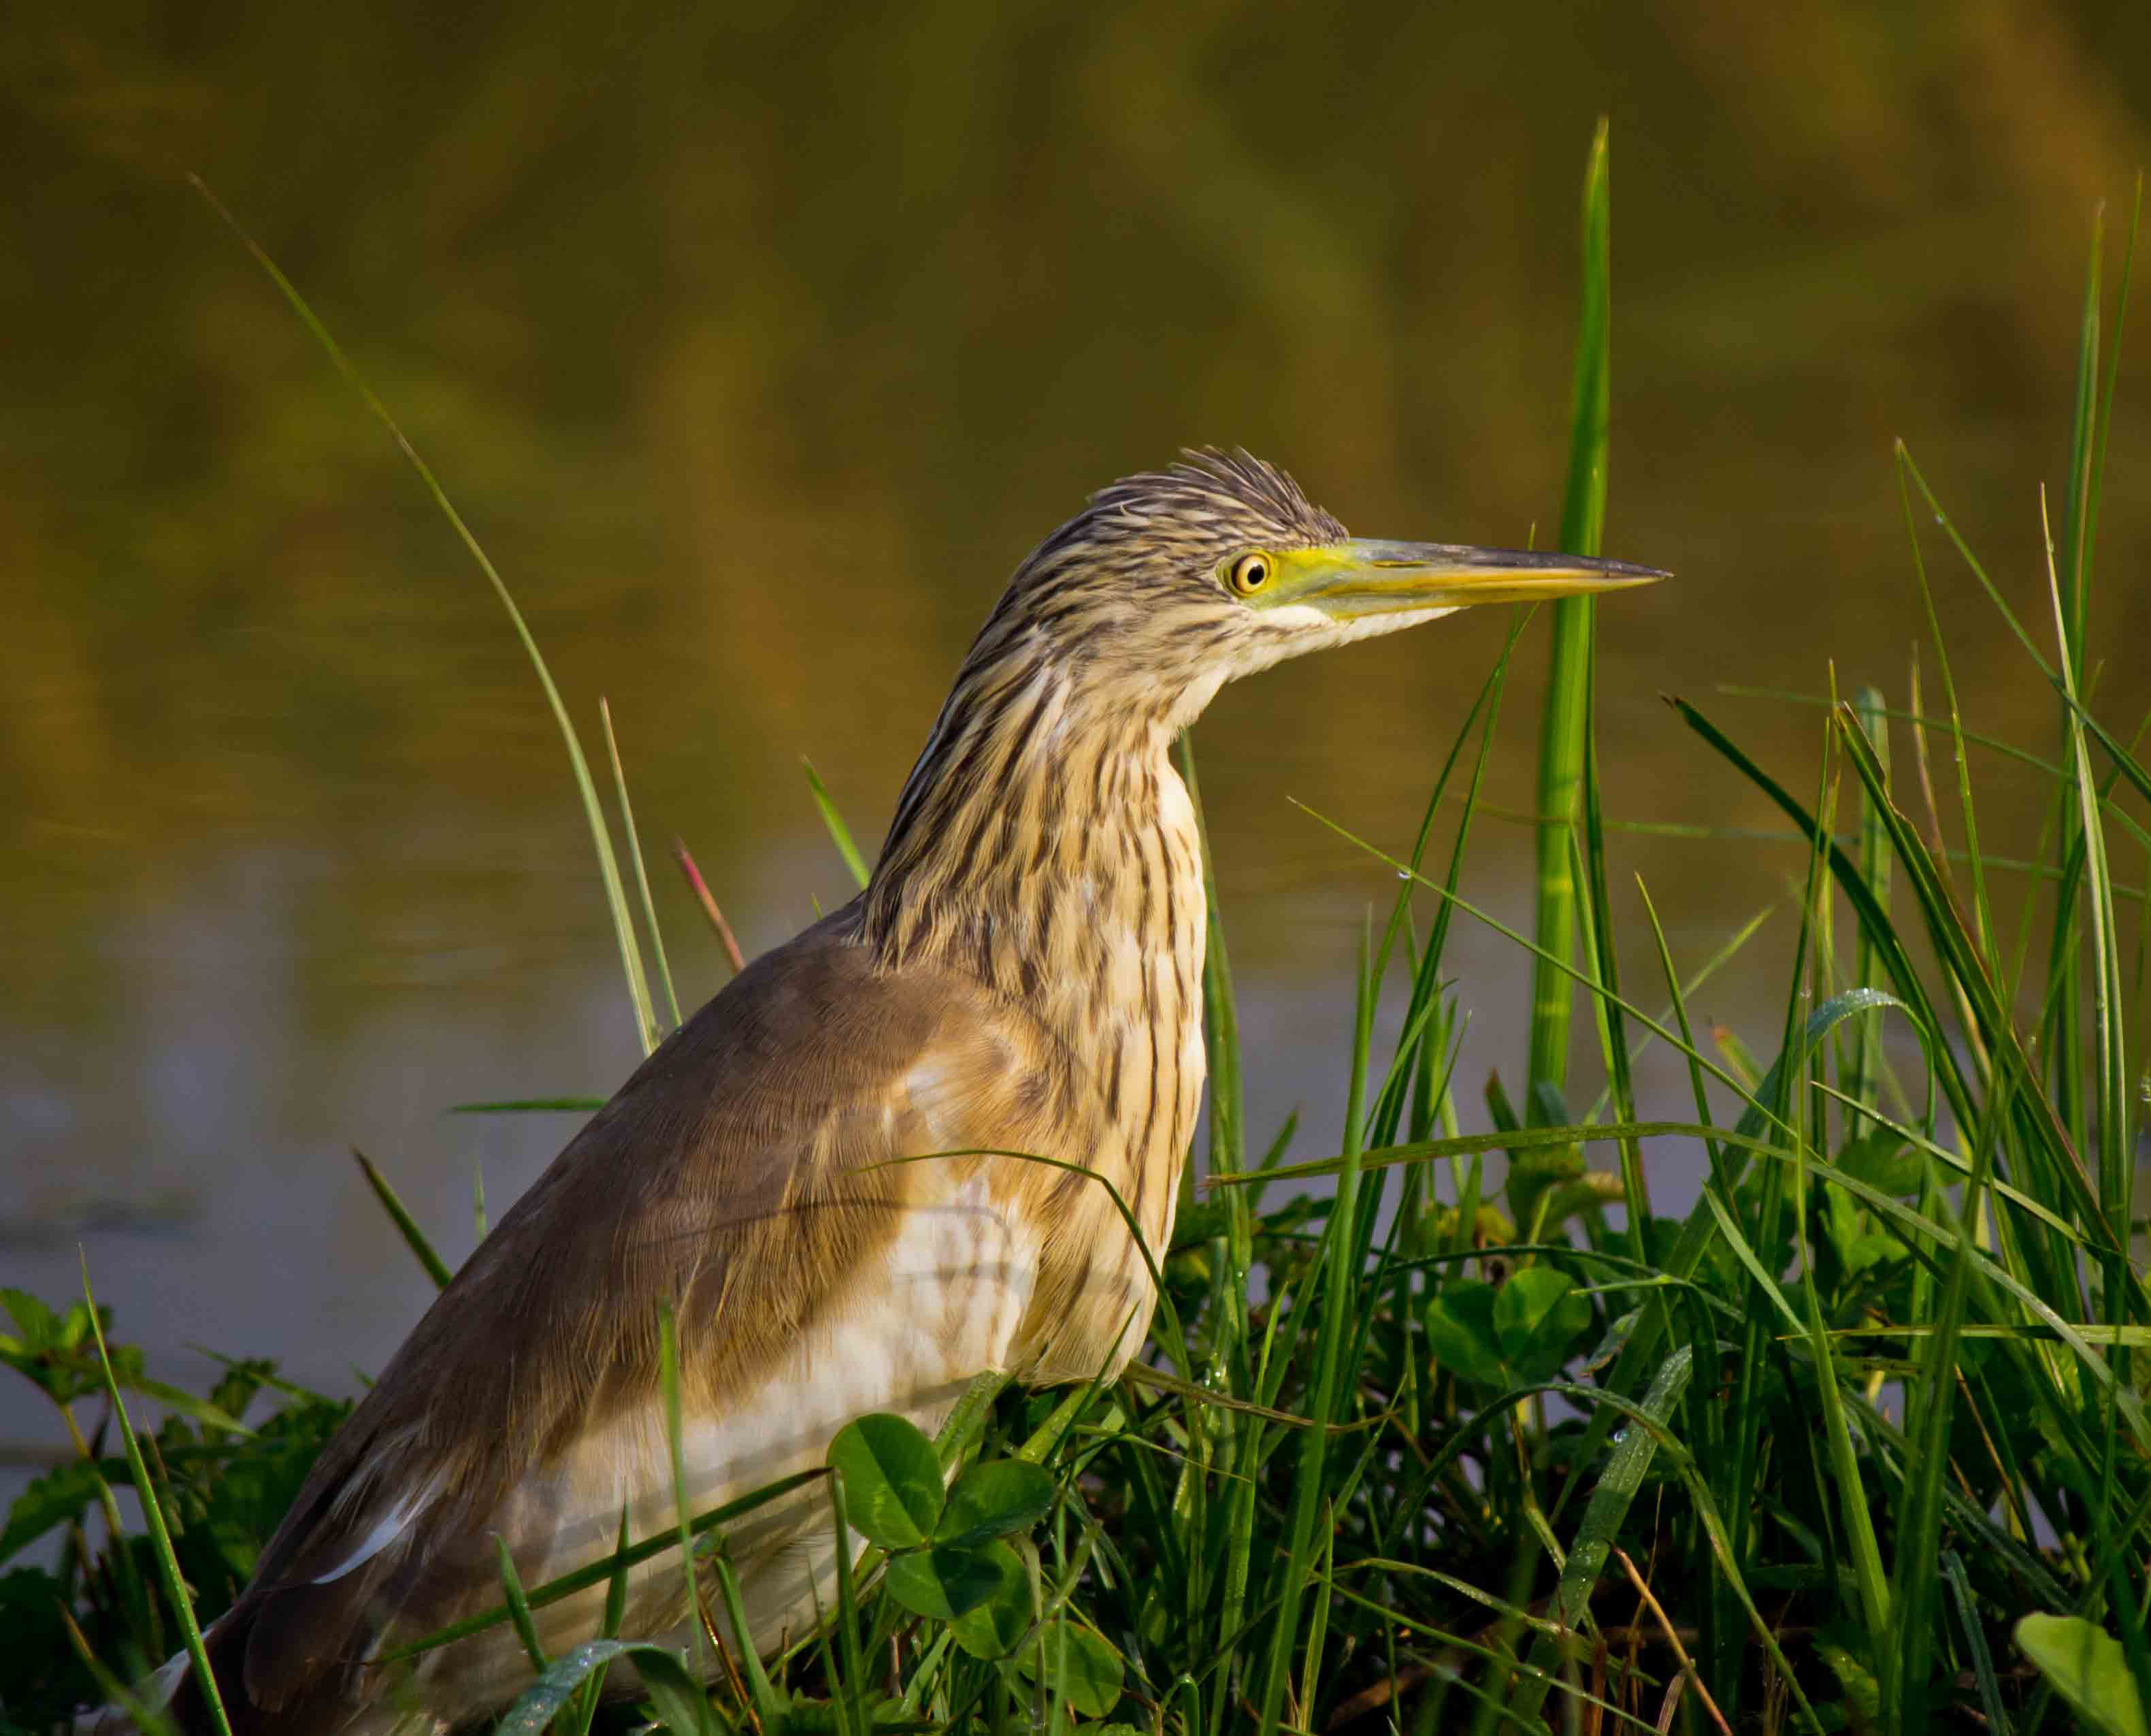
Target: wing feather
<point x="734" y="1175"/>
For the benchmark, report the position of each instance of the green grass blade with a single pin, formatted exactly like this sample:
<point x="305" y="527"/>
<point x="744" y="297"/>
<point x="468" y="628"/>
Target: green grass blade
<point x="592" y="1692"/>
<point x="2111" y="1099"/>
<point x="160" y="1537"/>
<point x="1982" y="909"/>
<point x="1221" y="1036"/>
<point x="407" y="1226"/>
<point x="840" y="834"/>
<point x="2112" y="1096"/>
<point x="638" y="987"/>
<point x="1868" y="1577"/>
<point x="635" y="856"/>
<point x="668" y="1356"/>
<point x="1931" y="1403"/>
<point x="1566" y="720"/>
<point x="1991" y="1016"/>
<point x="2087" y="439"/>
<point x="1865" y="1074"/>
<point x="1628" y="1008"/>
<point x="600" y="1572"/>
<point x="1612" y="1029"/>
<point x="1341" y="1272"/>
<point x="1426" y="976"/>
<point x="680" y="1705"/>
<point x="854" y="1678"/>
<point x="1728" y="950"/>
<point x="518" y="1607"/>
<point x="1617" y="1488"/>
<point x="1318" y="1624"/>
<point x="2130" y="768"/>
<point x="2063" y="1027"/>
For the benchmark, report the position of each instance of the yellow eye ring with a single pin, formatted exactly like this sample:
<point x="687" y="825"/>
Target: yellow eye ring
<point x="1250" y="573"/>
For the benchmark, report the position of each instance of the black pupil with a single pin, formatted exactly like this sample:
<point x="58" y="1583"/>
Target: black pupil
<point x="1253" y="574"/>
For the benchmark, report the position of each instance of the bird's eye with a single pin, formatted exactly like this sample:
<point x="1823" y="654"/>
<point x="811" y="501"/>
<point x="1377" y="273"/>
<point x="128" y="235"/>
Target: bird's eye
<point x="1250" y="573"/>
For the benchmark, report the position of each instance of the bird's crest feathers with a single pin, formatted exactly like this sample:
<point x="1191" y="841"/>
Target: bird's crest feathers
<point x="1214" y="497"/>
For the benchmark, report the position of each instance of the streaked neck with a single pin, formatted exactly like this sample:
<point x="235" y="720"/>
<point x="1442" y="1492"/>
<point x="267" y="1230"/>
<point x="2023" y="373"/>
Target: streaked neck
<point x="1019" y="816"/>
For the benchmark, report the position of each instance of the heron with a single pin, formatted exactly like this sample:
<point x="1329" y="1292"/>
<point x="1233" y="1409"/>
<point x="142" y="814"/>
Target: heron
<point x="1021" y="974"/>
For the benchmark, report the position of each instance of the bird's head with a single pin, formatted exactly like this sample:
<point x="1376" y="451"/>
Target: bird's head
<point x="1117" y="630"/>
<point x="1173" y="582"/>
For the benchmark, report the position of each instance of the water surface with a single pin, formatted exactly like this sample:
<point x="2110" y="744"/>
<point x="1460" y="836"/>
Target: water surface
<point x="758" y="350"/>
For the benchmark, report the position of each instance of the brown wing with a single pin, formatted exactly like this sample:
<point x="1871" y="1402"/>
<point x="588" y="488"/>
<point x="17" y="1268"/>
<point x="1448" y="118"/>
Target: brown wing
<point x="725" y="1176"/>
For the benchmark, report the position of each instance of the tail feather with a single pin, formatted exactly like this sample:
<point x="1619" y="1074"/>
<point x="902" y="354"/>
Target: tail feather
<point x="176" y="1706"/>
<point x="154" y="1696"/>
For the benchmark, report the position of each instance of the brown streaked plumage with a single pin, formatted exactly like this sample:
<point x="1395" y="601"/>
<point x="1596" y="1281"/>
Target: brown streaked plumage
<point x="1022" y="974"/>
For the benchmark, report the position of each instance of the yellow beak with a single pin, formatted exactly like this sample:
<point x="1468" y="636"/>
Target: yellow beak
<point x="1362" y="577"/>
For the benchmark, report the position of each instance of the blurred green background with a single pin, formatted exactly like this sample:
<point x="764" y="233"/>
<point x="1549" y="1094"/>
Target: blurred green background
<point x="758" y="343"/>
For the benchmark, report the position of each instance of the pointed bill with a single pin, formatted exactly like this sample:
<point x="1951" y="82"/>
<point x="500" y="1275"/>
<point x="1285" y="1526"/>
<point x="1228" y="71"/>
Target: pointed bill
<point x="1364" y="577"/>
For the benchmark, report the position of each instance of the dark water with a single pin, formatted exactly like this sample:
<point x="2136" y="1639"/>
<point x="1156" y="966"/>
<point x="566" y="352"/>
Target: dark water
<point x="758" y="350"/>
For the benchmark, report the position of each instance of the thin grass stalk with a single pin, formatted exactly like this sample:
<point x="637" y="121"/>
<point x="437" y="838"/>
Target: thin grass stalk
<point x="1361" y="1227"/>
<point x="1758" y="1114"/>
<point x="635" y="856"/>
<point x="1240" y="1520"/>
<point x="1909" y="713"/>
<point x="407" y="1226"/>
<point x="840" y="834"/>
<point x="160" y="1536"/>
<point x="1425" y="969"/>
<point x="703" y="897"/>
<point x="2130" y="769"/>
<point x="676" y="1443"/>
<point x="1612" y="1029"/>
<point x="1426" y="973"/>
<point x="518" y="1607"/>
<point x="2032" y="1117"/>
<point x="2073" y="580"/>
<point x="2063" y="1026"/>
<point x="1728" y="950"/>
<point x="2032" y="1114"/>
<point x="2111" y="1098"/>
<point x="1318" y="1626"/>
<point x="1566" y="719"/>
<point x="1905" y="981"/>
<point x="1220" y="1032"/>
<point x="2111" y="1101"/>
<point x="1966" y="1604"/>
<point x="599" y="1572"/>
<point x="1626" y="1467"/>
<point x="1982" y="909"/>
<point x="592" y="1692"/>
<point x="1867" y="1063"/>
<point x="631" y="957"/>
<point x="1930" y="1400"/>
<point x="1737" y="1473"/>
<point x="1341" y="1249"/>
<point x="853" y="1682"/>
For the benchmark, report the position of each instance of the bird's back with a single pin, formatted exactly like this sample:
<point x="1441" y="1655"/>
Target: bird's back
<point x="732" y="1178"/>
